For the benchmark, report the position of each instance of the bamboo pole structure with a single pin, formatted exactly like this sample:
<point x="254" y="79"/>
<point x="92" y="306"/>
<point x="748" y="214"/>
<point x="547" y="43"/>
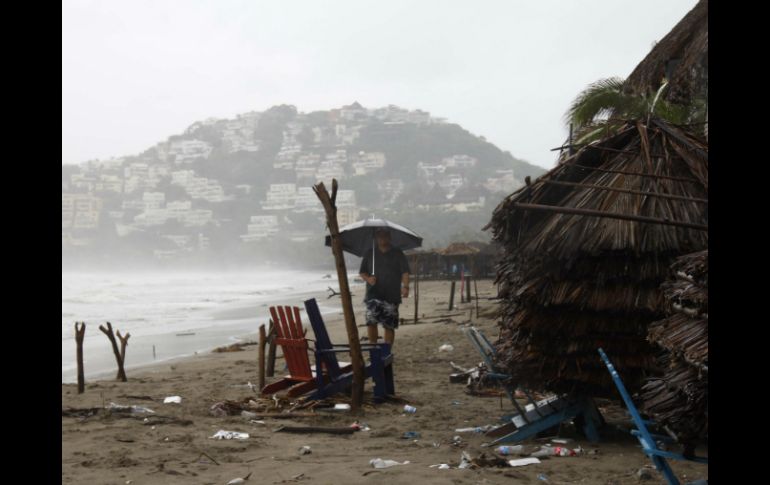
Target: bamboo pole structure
<point x="261" y="357"/>
<point x="609" y="215"/>
<point x="79" y="336"/>
<point x="110" y="335"/>
<point x="329" y="204"/>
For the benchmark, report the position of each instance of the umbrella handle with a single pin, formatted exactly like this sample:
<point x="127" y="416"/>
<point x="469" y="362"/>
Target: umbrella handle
<point x="372" y="256"/>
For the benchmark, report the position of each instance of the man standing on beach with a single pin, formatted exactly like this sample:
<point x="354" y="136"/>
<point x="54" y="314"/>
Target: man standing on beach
<point x="386" y="287"/>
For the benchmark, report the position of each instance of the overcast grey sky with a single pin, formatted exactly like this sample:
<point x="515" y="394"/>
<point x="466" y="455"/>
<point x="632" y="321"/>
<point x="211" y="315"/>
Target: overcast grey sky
<point x="135" y="72"/>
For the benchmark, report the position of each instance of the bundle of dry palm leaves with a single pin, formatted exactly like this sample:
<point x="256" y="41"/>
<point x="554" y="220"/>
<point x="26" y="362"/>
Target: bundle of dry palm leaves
<point x="679" y="398"/>
<point x="586" y="248"/>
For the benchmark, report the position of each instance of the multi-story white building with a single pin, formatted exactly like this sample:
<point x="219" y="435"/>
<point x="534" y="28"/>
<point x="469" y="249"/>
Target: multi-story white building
<point x="186" y="151"/>
<point x="197" y="217"/>
<point x="109" y="183"/>
<point x="133" y="204"/>
<point x="83" y="181"/>
<point x="80" y="211"/>
<point x="347" y="215"/>
<point x="260" y="228"/>
<point x="178" y="208"/>
<point x="430" y="171"/>
<point x="152" y="217"/>
<point x="460" y="161"/>
<point x="450" y="182"/>
<point x="503" y="182"/>
<point x="280" y="197"/>
<point x="153" y="200"/>
<point x="328" y="170"/>
<point x="306" y="201"/>
<point x="368" y="162"/>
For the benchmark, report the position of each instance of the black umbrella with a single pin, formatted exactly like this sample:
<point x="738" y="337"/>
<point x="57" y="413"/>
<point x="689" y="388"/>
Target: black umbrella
<point x="358" y="237"/>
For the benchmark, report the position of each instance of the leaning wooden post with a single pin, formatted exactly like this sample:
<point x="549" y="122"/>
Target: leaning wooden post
<point x="270" y="371"/>
<point x="468" y="277"/>
<point x="123" y="344"/>
<point x="328" y="202"/>
<point x="452" y="296"/>
<point x="79" y="335"/>
<point x="262" y="343"/>
<point x="110" y="335"/>
<point x="476" y="289"/>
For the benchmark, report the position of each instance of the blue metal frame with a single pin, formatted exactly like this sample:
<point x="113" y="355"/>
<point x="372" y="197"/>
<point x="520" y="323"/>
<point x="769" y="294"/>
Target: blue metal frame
<point x="647" y="439"/>
<point x="542" y="417"/>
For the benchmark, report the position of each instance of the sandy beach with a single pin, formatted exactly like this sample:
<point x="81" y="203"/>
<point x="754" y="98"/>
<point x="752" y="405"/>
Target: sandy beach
<point x="105" y="449"/>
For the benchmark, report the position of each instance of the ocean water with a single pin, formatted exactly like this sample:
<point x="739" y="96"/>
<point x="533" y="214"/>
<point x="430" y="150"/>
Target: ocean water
<point x="177" y="313"/>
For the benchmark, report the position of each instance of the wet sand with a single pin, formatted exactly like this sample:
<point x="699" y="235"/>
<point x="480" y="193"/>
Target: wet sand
<point x="108" y="450"/>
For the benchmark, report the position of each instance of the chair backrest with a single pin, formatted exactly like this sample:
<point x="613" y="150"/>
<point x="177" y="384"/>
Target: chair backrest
<point x="322" y="340"/>
<point x="483" y="345"/>
<point x="291" y="338"/>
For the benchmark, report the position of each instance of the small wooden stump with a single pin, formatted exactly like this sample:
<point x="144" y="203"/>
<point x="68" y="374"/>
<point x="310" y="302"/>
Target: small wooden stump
<point x="79" y="336"/>
<point x="262" y="343"/>
<point x="118" y="357"/>
<point x="452" y="296"/>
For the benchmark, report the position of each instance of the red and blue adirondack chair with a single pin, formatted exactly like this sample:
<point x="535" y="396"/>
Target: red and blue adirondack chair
<point x="336" y="378"/>
<point x="291" y="337"/>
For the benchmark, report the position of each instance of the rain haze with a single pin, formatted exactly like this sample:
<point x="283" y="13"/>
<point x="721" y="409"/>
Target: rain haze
<point x="134" y="73"/>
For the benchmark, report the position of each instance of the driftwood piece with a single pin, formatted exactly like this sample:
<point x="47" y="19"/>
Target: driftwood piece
<point x="110" y="335"/>
<point x="357" y="361"/>
<point x="314" y="429"/>
<point x="79" y="336"/>
<point x="123" y="345"/>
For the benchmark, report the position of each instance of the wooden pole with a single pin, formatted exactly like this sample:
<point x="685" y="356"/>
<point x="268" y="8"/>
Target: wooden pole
<point x="270" y="371"/>
<point x="452" y="296"/>
<point x="261" y="358"/>
<point x="357" y="392"/>
<point x="462" y="285"/>
<point x="468" y="275"/>
<point x="609" y="215"/>
<point x="79" y="336"/>
<point x="476" y="288"/>
<point x="110" y="335"/>
<point x="416" y="294"/>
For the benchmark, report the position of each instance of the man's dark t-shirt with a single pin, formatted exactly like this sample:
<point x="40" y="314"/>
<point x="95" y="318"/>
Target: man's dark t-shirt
<point x="388" y="268"/>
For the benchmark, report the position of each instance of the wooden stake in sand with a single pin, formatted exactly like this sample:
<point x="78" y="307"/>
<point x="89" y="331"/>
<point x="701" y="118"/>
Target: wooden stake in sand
<point x="416" y="294"/>
<point x="476" y="289"/>
<point x="452" y="296"/>
<point x="110" y="335"/>
<point x="79" y="335"/>
<point x="328" y="202"/>
<point x="261" y="358"/>
<point x="271" y="350"/>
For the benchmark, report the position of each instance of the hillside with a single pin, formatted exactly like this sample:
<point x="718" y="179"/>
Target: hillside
<point x="239" y="189"/>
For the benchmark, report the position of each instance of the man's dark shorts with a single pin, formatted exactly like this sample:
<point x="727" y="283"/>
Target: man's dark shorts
<point x="379" y="311"/>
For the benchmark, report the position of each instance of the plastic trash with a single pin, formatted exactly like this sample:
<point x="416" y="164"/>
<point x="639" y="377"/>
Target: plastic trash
<point x="249" y="415"/>
<point x="557" y="451"/>
<point x="238" y="481"/>
<point x="446" y="348"/>
<point x="456" y="403"/>
<point x="542" y="477"/>
<point x="411" y="435"/>
<point x="173" y="400"/>
<point x="410" y="409"/>
<point x="229" y="435"/>
<point x="441" y="466"/>
<point x="380" y="463"/>
<point x="342" y="407"/>
<point x="119" y="408"/>
<point x="561" y="441"/>
<point x="509" y="450"/>
<point x="477" y="429"/>
<point x="465" y="461"/>
<point x="523" y="461"/>
<point x="305" y="450"/>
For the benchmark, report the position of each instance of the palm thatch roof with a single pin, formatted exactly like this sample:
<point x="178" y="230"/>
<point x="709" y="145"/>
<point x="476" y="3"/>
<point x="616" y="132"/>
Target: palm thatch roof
<point x="585" y="250"/>
<point x="679" y="398"/>
<point x="682" y="56"/>
<point x="458" y="249"/>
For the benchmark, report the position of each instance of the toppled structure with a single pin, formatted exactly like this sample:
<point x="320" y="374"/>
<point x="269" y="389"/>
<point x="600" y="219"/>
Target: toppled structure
<point x="585" y="250"/>
<point x="679" y="398"/>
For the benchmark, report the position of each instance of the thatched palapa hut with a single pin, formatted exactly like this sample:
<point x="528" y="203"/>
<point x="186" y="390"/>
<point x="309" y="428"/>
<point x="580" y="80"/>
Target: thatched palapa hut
<point x="585" y="250"/>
